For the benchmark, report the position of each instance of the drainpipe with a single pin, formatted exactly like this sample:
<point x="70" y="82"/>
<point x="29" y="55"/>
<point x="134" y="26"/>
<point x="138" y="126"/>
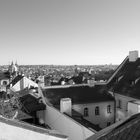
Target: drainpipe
<point x="114" y="109"/>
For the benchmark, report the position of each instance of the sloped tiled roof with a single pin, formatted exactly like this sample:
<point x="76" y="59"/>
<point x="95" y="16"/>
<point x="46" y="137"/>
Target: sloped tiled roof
<point x="30" y="102"/>
<point x="78" y="94"/>
<point x="128" y="130"/>
<point x="16" y="79"/>
<point x="127" y="80"/>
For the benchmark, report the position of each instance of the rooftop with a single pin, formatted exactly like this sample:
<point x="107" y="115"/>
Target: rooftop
<point x="127" y="80"/>
<point x="31" y="101"/>
<point x="128" y="130"/>
<point x="78" y="94"/>
<point x="24" y="102"/>
<point x="16" y="79"/>
<point x="31" y="127"/>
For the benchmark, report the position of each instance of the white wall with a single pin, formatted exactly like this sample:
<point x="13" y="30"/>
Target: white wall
<point x="66" y="125"/>
<point x="133" y="108"/>
<point x="11" y="132"/>
<point x="122" y="113"/>
<point x="101" y="119"/>
<point x="23" y="83"/>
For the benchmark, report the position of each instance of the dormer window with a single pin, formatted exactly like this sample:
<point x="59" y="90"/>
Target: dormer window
<point x="86" y="112"/>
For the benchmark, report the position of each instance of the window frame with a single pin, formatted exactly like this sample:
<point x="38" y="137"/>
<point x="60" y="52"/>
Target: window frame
<point x="86" y="112"/>
<point x="109" y="109"/>
<point x="119" y="104"/>
<point x="108" y="123"/>
<point x="97" y="111"/>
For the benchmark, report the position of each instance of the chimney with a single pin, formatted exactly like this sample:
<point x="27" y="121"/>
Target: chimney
<point x="133" y="56"/>
<point x="65" y="106"/>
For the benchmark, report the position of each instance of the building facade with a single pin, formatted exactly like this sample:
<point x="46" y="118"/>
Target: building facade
<point x="100" y="113"/>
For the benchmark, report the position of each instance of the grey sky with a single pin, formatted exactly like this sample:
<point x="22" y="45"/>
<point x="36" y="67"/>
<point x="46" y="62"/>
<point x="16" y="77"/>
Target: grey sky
<point x="68" y="31"/>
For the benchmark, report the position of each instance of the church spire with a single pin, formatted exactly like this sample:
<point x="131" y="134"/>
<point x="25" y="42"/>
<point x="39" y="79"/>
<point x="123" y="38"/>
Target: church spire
<point x="16" y="64"/>
<point x="12" y="63"/>
<point x="13" y="69"/>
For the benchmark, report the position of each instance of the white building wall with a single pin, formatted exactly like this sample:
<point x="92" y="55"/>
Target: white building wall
<point x="10" y="132"/>
<point x="28" y="82"/>
<point x="122" y="112"/>
<point x="66" y="125"/>
<point x="16" y="87"/>
<point x="133" y="108"/>
<point x="101" y="119"/>
<point x="23" y="83"/>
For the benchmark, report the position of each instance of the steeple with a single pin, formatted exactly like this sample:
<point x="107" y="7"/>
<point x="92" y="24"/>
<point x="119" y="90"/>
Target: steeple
<point x="16" y="64"/>
<point x="10" y="67"/>
<point x="13" y="69"/>
<point x="12" y="63"/>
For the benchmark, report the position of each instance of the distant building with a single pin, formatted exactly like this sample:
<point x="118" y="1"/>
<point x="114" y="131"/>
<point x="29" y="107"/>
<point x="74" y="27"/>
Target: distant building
<point x="21" y="82"/>
<point x="4" y="80"/>
<point x="41" y="81"/>
<point x="13" y="70"/>
<point x="7" y="76"/>
<point x="25" y="104"/>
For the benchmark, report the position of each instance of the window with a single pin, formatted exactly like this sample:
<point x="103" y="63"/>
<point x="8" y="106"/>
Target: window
<point x="119" y="104"/>
<point x="127" y="106"/>
<point x="85" y="112"/>
<point x="97" y="112"/>
<point x="4" y="83"/>
<point x="109" y="109"/>
<point x="108" y="123"/>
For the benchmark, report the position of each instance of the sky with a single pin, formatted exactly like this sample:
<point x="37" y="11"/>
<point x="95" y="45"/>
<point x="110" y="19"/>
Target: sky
<point x="68" y="32"/>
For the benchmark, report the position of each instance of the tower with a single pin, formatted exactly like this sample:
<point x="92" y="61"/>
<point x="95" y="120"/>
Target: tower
<point x="13" y="70"/>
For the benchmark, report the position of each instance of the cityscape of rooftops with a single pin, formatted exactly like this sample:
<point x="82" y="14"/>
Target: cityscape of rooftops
<point x="69" y="69"/>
